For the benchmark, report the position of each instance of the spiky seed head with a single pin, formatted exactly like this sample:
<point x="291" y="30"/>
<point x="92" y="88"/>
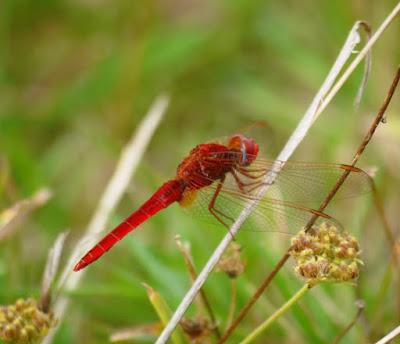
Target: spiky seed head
<point x="325" y="254"/>
<point x="24" y="322"/>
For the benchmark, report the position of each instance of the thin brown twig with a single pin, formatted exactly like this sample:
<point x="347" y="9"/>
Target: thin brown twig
<point x="254" y="298"/>
<point x="193" y="275"/>
<point x="360" y="305"/>
<point x="339" y="183"/>
<point x="379" y="118"/>
<point x="232" y="306"/>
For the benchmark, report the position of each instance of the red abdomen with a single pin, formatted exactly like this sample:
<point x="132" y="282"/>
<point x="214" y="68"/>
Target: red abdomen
<point x="168" y="193"/>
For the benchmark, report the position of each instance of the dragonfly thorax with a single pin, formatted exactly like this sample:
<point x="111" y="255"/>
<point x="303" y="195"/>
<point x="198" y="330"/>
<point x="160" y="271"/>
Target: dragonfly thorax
<point x="205" y="164"/>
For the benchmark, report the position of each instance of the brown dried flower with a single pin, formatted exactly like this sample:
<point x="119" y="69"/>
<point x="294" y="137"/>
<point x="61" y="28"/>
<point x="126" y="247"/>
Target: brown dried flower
<point x="198" y="329"/>
<point x="231" y="262"/>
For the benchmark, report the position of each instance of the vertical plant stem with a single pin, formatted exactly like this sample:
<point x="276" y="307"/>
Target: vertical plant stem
<point x="243" y="312"/>
<point x="278" y="313"/>
<point x="50" y="272"/>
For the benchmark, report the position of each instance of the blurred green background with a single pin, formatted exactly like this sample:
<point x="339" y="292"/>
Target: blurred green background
<point x="76" y="78"/>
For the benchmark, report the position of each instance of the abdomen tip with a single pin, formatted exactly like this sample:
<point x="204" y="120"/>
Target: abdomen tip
<point x="79" y="266"/>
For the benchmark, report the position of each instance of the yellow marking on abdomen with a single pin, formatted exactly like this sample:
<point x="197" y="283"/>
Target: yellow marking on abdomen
<point x="187" y="198"/>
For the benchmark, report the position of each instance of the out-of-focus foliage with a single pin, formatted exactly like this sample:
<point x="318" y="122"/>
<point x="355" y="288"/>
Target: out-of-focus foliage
<point x="76" y="77"/>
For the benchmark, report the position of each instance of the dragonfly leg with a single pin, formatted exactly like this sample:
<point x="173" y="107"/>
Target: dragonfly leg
<point x="256" y="184"/>
<point x="248" y="172"/>
<point x="214" y="211"/>
<point x="241" y="185"/>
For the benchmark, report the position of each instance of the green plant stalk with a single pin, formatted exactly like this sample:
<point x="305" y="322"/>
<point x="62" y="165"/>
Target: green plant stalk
<point x="278" y="313"/>
<point x="164" y="313"/>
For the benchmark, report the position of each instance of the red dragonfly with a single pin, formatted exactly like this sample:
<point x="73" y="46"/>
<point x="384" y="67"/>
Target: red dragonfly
<point x="219" y="179"/>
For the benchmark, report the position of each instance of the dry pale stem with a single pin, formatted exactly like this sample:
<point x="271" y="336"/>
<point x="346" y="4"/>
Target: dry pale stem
<point x="50" y="272"/>
<point x="391" y="335"/>
<point x="126" y="166"/>
<point x="135" y="333"/>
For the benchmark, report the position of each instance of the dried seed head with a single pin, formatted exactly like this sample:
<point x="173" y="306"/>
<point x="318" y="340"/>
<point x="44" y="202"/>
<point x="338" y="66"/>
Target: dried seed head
<point x="23" y="322"/>
<point x="198" y="329"/>
<point x="231" y="262"/>
<point x="325" y="254"/>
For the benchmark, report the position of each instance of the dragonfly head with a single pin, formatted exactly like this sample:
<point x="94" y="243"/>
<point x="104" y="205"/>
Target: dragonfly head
<point x="246" y="146"/>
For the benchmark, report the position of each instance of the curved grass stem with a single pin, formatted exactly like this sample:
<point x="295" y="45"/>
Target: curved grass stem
<point x="278" y="313"/>
<point x="360" y="305"/>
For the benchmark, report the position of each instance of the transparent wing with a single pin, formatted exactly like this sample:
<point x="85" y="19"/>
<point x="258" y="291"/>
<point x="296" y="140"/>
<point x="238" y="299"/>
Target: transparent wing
<point x="269" y="215"/>
<point x="301" y="182"/>
<point x="288" y="204"/>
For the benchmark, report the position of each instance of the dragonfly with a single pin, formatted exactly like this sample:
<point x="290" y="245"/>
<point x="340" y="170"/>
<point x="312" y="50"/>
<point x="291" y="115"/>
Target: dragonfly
<point x="217" y="179"/>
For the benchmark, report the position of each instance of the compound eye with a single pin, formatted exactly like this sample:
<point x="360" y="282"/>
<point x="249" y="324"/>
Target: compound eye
<point x="244" y="154"/>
